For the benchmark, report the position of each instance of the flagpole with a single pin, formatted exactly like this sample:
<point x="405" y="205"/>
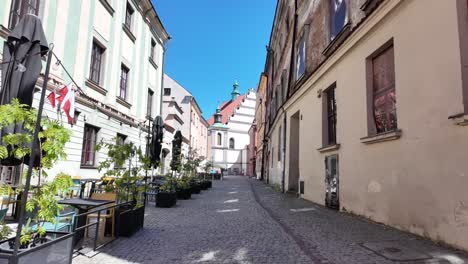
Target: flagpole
<point x="35" y="142"/>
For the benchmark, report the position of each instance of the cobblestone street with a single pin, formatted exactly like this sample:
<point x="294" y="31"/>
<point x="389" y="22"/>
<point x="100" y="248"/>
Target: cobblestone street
<point x="244" y="221"/>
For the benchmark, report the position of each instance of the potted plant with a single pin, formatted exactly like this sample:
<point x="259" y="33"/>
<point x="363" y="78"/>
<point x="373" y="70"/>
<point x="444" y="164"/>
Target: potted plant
<point x="167" y="196"/>
<point x="20" y="120"/>
<point x="183" y="188"/>
<point x="42" y="210"/>
<point x="128" y="183"/>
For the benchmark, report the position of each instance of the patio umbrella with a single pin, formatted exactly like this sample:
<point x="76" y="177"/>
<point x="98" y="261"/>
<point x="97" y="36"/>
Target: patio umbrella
<point x="21" y="67"/>
<point x="156" y="141"/>
<point x="176" y="151"/>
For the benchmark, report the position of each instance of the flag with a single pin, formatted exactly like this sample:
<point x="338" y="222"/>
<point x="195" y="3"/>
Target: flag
<point x="51" y="98"/>
<point x="66" y="99"/>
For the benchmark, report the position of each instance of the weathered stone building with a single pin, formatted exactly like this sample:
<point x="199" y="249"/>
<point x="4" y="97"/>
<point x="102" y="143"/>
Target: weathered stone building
<point x="366" y="108"/>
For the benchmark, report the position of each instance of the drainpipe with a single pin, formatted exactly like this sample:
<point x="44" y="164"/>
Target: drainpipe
<point x="267" y="120"/>
<point x="291" y="68"/>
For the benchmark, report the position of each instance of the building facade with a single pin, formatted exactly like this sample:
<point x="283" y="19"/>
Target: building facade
<point x="193" y="127"/>
<point x="229" y="132"/>
<point x="173" y="121"/>
<point x="198" y="130"/>
<point x="251" y="150"/>
<point x="260" y="122"/>
<point x="367" y="110"/>
<point x="114" y="50"/>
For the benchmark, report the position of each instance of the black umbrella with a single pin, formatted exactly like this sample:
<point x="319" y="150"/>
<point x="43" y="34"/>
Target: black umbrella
<point x="156" y="141"/>
<point x="176" y="151"/>
<point x="21" y="67"/>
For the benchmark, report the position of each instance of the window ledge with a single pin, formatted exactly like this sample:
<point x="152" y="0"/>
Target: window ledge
<point x="91" y="84"/>
<point x="338" y="40"/>
<point x="129" y="32"/>
<point x="370" y="5"/>
<point x="123" y="102"/>
<point x="153" y="63"/>
<point x="108" y="7"/>
<point x="329" y="148"/>
<point x="4" y="32"/>
<point x="382" y="137"/>
<point x="87" y="167"/>
<point x="460" y="119"/>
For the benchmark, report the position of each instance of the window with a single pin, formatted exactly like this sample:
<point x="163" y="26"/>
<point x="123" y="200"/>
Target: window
<point x="19" y="8"/>
<point x="231" y="143"/>
<point x="330" y="118"/>
<point x="88" y="151"/>
<point x="120" y="141"/>
<point x="167" y="91"/>
<point x="149" y="104"/>
<point x="382" y="89"/>
<point x="219" y="138"/>
<point x="338" y="17"/>
<point x="123" y="82"/>
<point x="97" y="55"/>
<point x="301" y="60"/>
<point x="153" y="50"/>
<point x="279" y="144"/>
<point x="129" y="16"/>
<point x="284" y="85"/>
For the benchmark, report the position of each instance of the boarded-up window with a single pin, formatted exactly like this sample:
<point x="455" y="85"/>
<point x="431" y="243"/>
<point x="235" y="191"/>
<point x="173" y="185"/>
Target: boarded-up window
<point x="383" y="91"/>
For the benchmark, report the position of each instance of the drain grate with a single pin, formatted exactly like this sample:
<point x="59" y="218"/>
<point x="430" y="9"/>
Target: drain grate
<point x="396" y="251"/>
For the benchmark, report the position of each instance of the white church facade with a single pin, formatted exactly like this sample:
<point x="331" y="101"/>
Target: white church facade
<point x="229" y="132"/>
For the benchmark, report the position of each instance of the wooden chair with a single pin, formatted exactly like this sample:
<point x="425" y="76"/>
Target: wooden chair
<point x="107" y="215"/>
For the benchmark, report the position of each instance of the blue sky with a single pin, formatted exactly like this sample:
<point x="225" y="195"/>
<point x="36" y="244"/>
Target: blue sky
<point x="214" y="43"/>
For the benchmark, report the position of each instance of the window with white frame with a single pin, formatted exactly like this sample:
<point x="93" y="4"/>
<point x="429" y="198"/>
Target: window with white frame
<point x="338" y="17"/>
<point x="301" y="58"/>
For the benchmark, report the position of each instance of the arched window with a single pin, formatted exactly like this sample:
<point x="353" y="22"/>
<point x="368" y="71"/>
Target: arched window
<point x="219" y="139"/>
<point x="231" y="143"/>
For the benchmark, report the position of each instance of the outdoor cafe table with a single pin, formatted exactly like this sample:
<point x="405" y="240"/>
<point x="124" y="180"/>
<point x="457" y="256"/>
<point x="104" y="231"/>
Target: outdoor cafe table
<point x="83" y="206"/>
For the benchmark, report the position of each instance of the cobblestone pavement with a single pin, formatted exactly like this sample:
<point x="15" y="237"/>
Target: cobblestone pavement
<point x="245" y="221"/>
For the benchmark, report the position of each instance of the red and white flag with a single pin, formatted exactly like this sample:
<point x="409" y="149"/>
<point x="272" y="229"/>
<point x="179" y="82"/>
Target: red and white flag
<point x="66" y="99"/>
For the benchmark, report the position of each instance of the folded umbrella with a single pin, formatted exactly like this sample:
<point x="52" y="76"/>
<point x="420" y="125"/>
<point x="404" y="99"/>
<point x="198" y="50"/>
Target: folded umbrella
<point x="21" y="67"/>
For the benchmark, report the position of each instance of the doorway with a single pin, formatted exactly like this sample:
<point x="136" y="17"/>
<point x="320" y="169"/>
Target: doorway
<point x="332" y="198"/>
<point x="293" y="178"/>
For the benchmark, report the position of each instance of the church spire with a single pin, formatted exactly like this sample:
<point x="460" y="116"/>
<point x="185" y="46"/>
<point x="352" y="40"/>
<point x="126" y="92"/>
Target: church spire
<point x="218" y="118"/>
<point x="235" y="91"/>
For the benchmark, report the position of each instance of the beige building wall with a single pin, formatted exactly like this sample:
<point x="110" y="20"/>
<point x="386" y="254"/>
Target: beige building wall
<point x="198" y="130"/>
<point x="418" y="182"/>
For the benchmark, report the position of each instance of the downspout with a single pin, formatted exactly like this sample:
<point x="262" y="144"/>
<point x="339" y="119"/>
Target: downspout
<point x="291" y="69"/>
<point x="267" y="119"/>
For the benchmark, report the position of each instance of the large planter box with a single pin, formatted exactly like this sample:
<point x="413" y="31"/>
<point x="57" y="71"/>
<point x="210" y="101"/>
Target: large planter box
<point x="184" y="194"/>
<point x="204" y="185"/>
<point x="130" y="220"/>
<point x="195" y="188"/>
<point x="166" y="199"/>
<point x="57" y="251"/>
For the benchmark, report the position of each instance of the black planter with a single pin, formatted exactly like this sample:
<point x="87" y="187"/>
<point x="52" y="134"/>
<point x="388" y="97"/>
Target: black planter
<point x="130" y="220"/>
<point x="57" y="249"/>
<point x="195" y="188"/>
<point x="166" y="199"/>
<point x="209" y="184"/>
<point x="125" y="222"/>
<point x="139" y="217"/>
<point x="184" y="194"/>
<point x="203" y="185"/>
